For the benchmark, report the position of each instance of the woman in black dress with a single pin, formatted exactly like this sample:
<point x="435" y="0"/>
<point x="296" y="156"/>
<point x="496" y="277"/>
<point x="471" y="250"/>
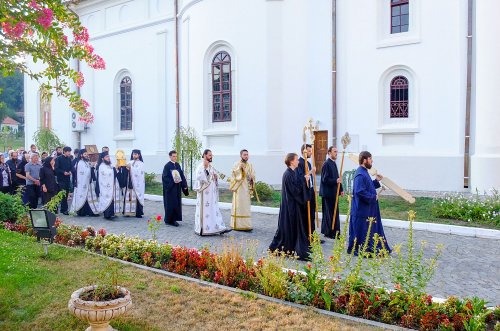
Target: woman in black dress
<point x="48" y="180"/>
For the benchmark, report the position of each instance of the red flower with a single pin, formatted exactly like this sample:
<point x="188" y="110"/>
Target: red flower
<point x="96" y="62"/>
<point x="101" y="232"/>
<point x="45" y="18"/>
<point x="309" y="266"/>
<point x="79" y="79"/>
<point x="14" y="31"/>
<point x="158" y="218"/>
<point x="81" y="36"/>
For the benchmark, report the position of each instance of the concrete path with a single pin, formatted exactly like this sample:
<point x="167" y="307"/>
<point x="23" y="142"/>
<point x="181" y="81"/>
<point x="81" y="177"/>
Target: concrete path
<point x="468" y="266"/>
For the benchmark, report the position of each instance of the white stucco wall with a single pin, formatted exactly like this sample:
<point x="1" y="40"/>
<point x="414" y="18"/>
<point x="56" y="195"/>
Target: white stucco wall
<point x="281" y="70"/>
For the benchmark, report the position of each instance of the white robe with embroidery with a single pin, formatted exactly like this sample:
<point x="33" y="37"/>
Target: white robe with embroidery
<point x="137" y="177"/>
<point x="109" y="189"/>
<point x="208" y="218"/>
<point x="85" y="189"/>
<point x="240" y="186"/>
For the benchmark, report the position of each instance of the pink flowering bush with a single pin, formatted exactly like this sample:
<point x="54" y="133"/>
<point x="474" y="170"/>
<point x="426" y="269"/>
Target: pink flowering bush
<point x="48" y="31"/>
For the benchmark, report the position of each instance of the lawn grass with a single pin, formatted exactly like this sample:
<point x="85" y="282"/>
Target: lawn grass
<point x="11" y="141"/>
<point x="34" y="293"/>
<point x="391" y="207"/>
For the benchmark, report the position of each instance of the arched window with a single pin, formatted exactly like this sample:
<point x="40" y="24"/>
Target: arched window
<point x="400" y="16"/>
<point x="126" y="103"/>
<point x="221" y="88"/>
<point x="399" y="97"/>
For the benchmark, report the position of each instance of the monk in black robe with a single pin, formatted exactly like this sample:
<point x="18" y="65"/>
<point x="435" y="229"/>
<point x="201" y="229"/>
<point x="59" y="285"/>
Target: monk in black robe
<point x="330" y="181"/>
<point x="309" y="190"/>
<point x="292" y="233"/>
<point x="174" y="183"/>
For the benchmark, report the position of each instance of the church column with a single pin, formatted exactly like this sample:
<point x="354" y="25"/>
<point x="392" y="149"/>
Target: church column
<point x="274" y="100"/>
<point x="486" y="159"/>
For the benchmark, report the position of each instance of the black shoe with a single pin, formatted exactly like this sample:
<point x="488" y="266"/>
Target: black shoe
<point x="321" y="241"/>
<point x="65" y="213"/>
<point x="140" y="216"/>
<point x="174" y="223"/>
<point x="226" y="231"/>
<point x="94" y="215"/>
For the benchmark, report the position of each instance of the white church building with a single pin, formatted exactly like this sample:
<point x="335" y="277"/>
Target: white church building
<point x="415" y="82"/>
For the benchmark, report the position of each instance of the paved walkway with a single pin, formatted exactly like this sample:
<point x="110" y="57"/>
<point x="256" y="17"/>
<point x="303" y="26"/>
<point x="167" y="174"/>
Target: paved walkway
<point x="467" y="267"/>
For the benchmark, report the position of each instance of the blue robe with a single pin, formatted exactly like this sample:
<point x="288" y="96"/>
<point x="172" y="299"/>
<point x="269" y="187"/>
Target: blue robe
<point x="364" y="205"/>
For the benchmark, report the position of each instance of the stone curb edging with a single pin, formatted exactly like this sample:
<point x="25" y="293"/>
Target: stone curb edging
<point x="240" y="291"/>
<point x="420" y="226"/>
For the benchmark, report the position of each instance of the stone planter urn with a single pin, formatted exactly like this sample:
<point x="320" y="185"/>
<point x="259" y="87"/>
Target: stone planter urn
<point x="98" y="313"/>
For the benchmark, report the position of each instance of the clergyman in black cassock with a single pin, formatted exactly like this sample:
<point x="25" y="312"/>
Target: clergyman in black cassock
<point x="309" y="191"/>
<point x="174" y="182"/>
<point x="330" y="181"/>
<point x="292" y="233"/>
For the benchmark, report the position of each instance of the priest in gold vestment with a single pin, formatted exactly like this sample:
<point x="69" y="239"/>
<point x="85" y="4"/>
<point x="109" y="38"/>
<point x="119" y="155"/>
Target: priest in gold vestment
<point x="242" y="185"/>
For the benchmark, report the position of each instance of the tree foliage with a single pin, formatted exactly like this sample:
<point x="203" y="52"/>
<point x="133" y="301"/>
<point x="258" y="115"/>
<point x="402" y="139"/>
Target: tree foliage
<point x="11" y="91"/>
<point x="49" y="32"/>
<point x="187" y="144"/>
<point x="46" y="140"/>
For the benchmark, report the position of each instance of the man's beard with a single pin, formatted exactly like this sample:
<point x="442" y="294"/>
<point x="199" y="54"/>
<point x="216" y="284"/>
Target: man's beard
<point x="209" y="160"/>
<point x="106" y="162"/>
<point x="244" y="161"/>
<point x="368" y="165"/>
<point x="58" y="153"/>
<point x="85" y="158"/>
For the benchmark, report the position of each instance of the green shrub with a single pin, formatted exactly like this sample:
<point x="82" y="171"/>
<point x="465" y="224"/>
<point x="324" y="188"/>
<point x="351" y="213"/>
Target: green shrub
<point x="149" y="178"/>
<point x="264" y="191"/>
<point x="475" y="208"/>
<point x="11" y="207"/>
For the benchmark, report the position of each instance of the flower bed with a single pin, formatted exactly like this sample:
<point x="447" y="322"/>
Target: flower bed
<point x="474" y="208"/>
<point x="341" y="283"/>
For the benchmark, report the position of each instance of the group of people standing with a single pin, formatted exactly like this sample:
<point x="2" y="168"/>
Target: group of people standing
<point x="208" y="218"/>
<point x="36" y="176"/>
<point x="101" y="187"/>
<point x="298" y="203"/>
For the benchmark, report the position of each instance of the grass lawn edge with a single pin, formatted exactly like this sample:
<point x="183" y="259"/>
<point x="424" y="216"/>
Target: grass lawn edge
<point x="240" y="291"/>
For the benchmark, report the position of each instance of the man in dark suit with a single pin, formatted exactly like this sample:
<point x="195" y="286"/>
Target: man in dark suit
<point x="330" y="181"/>
<point x="63" y="172"/>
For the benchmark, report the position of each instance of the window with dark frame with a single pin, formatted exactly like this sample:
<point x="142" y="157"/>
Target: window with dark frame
<point x="399" y="97"/>
<point x="400" y="16"/>
<point x="126" y="103"/>
<point x="221" y="88"/>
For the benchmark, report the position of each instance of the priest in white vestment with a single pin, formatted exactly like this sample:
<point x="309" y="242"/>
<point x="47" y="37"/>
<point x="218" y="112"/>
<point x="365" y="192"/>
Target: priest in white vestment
<point x="108" y="188"/>
<point x="208" y="218"/>
<point x="242" y="185"/>
<point x="84" y="197"/>
<point x="135" y="187"/>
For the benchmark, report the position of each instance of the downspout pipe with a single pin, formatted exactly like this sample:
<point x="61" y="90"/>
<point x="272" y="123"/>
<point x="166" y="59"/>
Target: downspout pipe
<point x="177" y="110"/>
<point x="468" y="94"/>
<point x="334" y="72"/>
